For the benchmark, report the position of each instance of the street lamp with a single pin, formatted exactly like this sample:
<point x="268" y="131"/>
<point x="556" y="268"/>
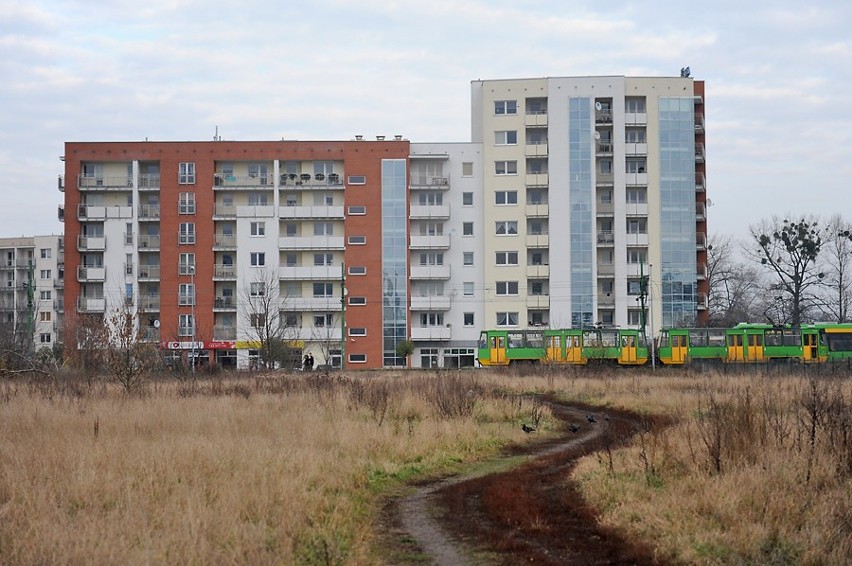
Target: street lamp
<point x="192" y="346"/>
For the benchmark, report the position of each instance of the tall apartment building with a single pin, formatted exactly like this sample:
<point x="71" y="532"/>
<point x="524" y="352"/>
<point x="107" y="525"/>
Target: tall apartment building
<point x="571" y="190"/>
<point x="590" y="184"/>
<point x="344" y="244"/>
<point x="31" y="279"/>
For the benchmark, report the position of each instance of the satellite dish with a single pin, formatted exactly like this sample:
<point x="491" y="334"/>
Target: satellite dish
<point x="597" y="135"/>
<point x="156" y="324"/>
<point x="598" y="106"/>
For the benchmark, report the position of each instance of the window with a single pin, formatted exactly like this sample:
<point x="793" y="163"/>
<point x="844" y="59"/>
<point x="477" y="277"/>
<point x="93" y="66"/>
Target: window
<point x="291" y="230"/>
<point x="506" y="228"/>
<point x="185" y="325"/>
<point x="44" y="274"/>
<point x="258" y="259"/>
<point x="506" y="137"/>
<point x="507" y="319"/>
<point x="637" y="225"/>
<point x="356" y="180"/>
<point x="634" y="135"/>
<point x="432" y="319"/>
<point x="258" y="289"/>
<point x="357" y="358"/>
<point x="467" y="199"/>
<point x="44" y="295"/>
<point x="503" y="107"/>
<point x="258" y="199"/>
<point x="636" y="165"/>
<point x="634" y="105"/>
<point x="637" y="196"/>
<point x="323" y="289"/>
<point x="635" y="255"/>
<point x="633" y="287"/>
<point x="536" y="196"/>
<point x="429" y="357"/>
<point x="536" y="227"/>
<point x="291" y="320"/>
<point x="358" y="331"/>
<point x="258" y="320"/>
<point x="634" y="317"/>
<point x="605" y="167"/>
<point x="468" y="258"/>
<point x="323" y="228"/>
<point x="506" y="258"/>
<point x="186" y="294"/>
<point x="186" y="233"/>
<point x="44" y="338"/>
<point x="505" y="167"/>
<point x="468" y="319"/>
<point x="605" y="197"/>
<point x="507" y="287"/>
<point x="467" y="228"/>
<point x="358" y="301"/>
<point x="44" y="316"/>
<point x="357" y="270"/>
<point x="433" y="258"/>
<point x="186" y="173"/>
<point x="186" y="203"/>
<point x="45" y="253"/>
<point x="537" y="288"/>
<point x="537" y="258"/>
<point x="357" y="210"/>
<point x="324" y="320"/>
<point x="357" y="240"/>
<point x="506" y="197"/>
<point x="258" y="228"/>
<point x="467" y="287"/>
<point x="467" y="169"/>
<point x="323" y="259"/>
<point x="186" y="264"/>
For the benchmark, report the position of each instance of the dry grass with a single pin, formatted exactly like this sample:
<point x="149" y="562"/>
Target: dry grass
<point x="257" y="470"/>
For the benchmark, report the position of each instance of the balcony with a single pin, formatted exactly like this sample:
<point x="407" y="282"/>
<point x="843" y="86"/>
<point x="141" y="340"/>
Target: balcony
<point x="538" y="240"/>
<point x="606" y="268"/>
<point x="699" y="123"/>
<point x="703" y="303"/>
<point x="150" y="334"/>
<point x="606" y="238"/>
<point x="59" y="305"/>
<point x="699" y="153"/>
<point x="60" y="183"/>
<point x="86" y="212"/>
<point x="604" y="179"/>
<point x="224" y="304"/>
<point x="538" y="301"/>
<point x="149" y="212"/>
<point x="538" y="271"/>
<point x="149" y="272"/>
<point x="701" y="272"/>
<point x="636" y="179"/>
<point x="603" y="147"/>
<point x="604" y="209"/>
<point x="636" y="148"/>
<point x="701" y="241"/>
<point x="319" y="304"/>
<point x="436" y="303"/>
<point x="59" y="283"/>
<point x="431" y="333"/>
<point x="60" y="213"/>
<point x="537" y="210"/>
<point x="637" y="239"/>
<point x="255" y="211"/>
<point x="237" y="182"/>
<point x="700" y="182"/>
<point x="635" y="118"/>
<point x="224" y="332"/>
<point x="636" y="209"/>
<point x="221" y="211"/>
<point x="424" y="182"/>
<point x="328" y="334"/>
<point x="85" y="305"/>
<point x="88" y="274"/>
<point x="308" y="181"/>
<point x="149" y="303"/>
<point x="311" y="243"/>
<point x="536" y="120"/>
<point x="149" y="182"/>
<point x="606" y="299"/>
<point x="536" y="179"/>
<point x="224" y="271"/>
<point x="121" y="183"/>
<point x="603" y="116"/>
<point x="224" y="242"/>
<point x="309" y="272"/>
<point x="430" y="242"/>
<point x="438" y="272"/>
<point x="428" y="212"/>
<point x="90" y="244"/>
<point x="149" y="242"/>
<point x="535" y="150"/>
<point x="700" y="212"/>
<point x="311" y="212"/>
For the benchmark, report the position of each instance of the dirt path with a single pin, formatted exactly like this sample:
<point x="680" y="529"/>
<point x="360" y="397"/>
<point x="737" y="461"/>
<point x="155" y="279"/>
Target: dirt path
<point x="526" y="512"/>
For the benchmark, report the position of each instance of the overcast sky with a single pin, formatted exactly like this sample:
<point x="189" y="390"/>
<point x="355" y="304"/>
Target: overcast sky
<point x="778" y="74"/>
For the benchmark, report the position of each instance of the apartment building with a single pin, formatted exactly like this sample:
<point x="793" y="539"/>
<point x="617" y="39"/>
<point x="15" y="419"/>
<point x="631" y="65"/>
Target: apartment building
<point x="592" y="184"/>
<point x="32" y="275"/>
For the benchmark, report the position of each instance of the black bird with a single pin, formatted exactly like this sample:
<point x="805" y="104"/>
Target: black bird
<point x="591" y="418"/>
<point x="573" y="428"/>
<point x="527" y="429"/>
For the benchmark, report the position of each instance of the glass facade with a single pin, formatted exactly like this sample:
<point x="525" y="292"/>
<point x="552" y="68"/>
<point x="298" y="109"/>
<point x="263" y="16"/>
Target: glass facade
<point x="677" y="211"/>
<point x="582" y="213"/>
<point x="394" y="260"/>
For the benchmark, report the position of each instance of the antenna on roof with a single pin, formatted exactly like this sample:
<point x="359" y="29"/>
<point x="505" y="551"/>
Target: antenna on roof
<point x="216" y="135"/>
<point x="685" y="72"/>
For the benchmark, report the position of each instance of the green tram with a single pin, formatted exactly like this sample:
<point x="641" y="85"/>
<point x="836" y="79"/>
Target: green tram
<point x="622" y="346"/>
<point x="756" y="343"/>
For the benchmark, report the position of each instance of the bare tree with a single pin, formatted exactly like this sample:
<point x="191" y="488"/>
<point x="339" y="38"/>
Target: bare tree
<point x="325" y="334"/>
<point x="838" y="257"/>
<point x="734" y="285"/>
<point x="262" y="316"/>
<point x="129" y="357"/>
<point x="790" y="250"/>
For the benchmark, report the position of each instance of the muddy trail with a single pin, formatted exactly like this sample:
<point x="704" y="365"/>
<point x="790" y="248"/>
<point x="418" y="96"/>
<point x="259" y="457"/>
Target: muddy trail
<point x="527" y="512"/>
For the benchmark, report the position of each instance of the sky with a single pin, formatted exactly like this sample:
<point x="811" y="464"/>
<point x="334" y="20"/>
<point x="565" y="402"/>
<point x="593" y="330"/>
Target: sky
<point x="778" y="80"/>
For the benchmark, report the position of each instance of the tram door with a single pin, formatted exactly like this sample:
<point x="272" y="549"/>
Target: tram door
<point x="574" y="349"/>
<point x="735" y="348"/>
<point x="679" y="348"/>
<point x="554" y="349"/>
<point x="498" y="350"/>
<point x="754" y="351"/>
<point x="809" y="348"/>
<point x="628" y="349"/>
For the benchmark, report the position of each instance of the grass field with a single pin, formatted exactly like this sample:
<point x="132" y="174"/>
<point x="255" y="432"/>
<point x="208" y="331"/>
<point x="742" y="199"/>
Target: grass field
<point x="294" y="469"/>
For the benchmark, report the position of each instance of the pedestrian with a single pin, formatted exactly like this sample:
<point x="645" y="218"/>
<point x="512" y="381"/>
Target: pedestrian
<point x="311" y="362"/>
<point x="306" y="363"/>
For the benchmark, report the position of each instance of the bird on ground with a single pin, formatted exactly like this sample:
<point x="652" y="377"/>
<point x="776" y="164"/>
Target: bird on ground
<point x="527" y="429"/>
<point x="573" y="428"/>
<point x="591" y="418"/>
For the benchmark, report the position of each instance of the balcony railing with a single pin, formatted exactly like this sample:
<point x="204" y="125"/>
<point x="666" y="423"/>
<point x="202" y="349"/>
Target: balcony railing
<point x="88" y="243"/>
<point x="120" y="182"/>
<point x="149" y="242"/>
<point x="224" y="241"/>
<point x="306" y="180"/>
<point x="151" y="334"/>
<point x="309" y="272"/>
<point x="223" y="332"/>
<point x="149" y="302"/>
<point x="225" y="303"/>
<point x="606" y="238"/>
<point x="311" y="242"/>
<point x="85" y="304"/>
<point x="149" y="272"/>
<point x="434" y="182"/>
<point x="419" y="211"/>
<point x="149" y="182"/>
<point x="430" y="272"/>
<point x="86" y="273"/>
<point x="307" y="212"/>
<point x="431" y="333"/>
<point x="225" y="271"/>
<point x="225" y="210"/>
<point x="149" y="211"/>
<point x="242" y="181"/>
<point x="430" y="242"/>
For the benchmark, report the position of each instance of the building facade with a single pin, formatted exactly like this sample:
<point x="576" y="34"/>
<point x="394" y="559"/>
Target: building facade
<point x="574" y="196"/>
<point x="32" y="275"/>
<point x="592" y="184"/>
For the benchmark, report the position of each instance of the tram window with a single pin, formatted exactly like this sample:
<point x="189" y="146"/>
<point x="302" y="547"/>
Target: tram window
<point x="698" y="338"/>
<point x="839" y="342"/>
<point x="535" y="339"/>
<point x="716" y="338"/>
<point x="774" y="338"/>
<point x="516" y="340"/>
<point x="792" y="338"/>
